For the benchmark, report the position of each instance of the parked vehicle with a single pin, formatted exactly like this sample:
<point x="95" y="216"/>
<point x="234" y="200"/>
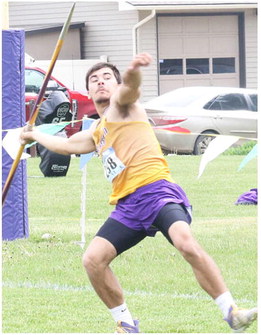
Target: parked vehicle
<point x="202" y="111"/>
<point x="80" y="103"/>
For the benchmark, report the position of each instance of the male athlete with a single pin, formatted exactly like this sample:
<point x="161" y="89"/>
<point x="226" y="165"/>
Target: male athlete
<point x="147" y="199"/>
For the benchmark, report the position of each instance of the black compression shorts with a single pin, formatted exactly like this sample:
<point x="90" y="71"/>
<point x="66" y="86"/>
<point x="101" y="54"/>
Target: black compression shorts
<point x="123" y="237"/>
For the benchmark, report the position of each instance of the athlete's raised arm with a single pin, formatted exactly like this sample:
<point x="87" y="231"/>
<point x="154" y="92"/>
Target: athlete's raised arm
<point x="129" y="91"/>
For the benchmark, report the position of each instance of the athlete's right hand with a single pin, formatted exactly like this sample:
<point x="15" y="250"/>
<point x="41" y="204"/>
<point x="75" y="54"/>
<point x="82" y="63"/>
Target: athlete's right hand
<point x="142" y="59"/>
<point x="26" y="136"/>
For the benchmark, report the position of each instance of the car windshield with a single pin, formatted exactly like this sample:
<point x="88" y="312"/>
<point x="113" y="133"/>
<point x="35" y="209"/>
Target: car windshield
<point x="253" y="98"/>
<point x="33" y="80"/>
<point x="176" y="98"/>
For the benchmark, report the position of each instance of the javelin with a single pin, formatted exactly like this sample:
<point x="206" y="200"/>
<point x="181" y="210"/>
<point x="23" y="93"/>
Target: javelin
<point x="39" y="100"/>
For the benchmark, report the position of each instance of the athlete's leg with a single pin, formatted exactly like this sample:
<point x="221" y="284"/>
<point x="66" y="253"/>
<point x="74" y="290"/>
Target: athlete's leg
<point x="205" y="269"/>
<point x="112" y="239"/>
<point x="209" y="277"/>
<point x="173" y="221"/>
<point x="96" y="260"/>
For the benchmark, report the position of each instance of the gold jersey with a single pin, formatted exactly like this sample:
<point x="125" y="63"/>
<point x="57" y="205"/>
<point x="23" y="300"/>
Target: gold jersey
<point x="131" y="156"/>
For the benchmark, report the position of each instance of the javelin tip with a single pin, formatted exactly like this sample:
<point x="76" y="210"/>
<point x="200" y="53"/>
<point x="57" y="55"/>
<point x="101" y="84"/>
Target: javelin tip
<point x="67" y="23"/>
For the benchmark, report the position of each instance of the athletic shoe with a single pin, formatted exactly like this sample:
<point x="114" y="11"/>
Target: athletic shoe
<point x="124" y="327"/>
<point x="239" y="319"/>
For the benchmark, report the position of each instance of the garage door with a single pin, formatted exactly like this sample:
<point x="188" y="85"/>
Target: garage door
<point x="198" y="51"/>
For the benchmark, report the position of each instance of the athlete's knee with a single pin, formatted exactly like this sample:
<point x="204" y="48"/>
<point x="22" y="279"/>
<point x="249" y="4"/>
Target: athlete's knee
<point x="90" y="261"/>
<point x="185" y="242"/>
<point x="98" y="255"/>
<point x="191" y="250"/>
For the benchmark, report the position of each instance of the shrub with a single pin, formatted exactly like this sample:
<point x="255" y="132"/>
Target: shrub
<point x="243" y="149"/>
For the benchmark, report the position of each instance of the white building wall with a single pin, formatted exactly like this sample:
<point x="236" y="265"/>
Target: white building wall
<point x="23" y="13"/>
<point x="148" y="42"/>
<point x="251" y="48"/>
<point x="108" y="32"/>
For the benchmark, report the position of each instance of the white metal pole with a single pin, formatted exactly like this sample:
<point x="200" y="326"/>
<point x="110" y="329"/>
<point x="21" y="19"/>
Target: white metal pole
<point x="83" y="206"/>
<point x="135" y="28"/>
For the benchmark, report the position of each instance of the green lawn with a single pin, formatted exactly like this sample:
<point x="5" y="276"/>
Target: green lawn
<point x="45" y="288"/>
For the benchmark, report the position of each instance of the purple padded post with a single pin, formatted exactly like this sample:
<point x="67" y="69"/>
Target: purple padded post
<point x="15" y="209"/>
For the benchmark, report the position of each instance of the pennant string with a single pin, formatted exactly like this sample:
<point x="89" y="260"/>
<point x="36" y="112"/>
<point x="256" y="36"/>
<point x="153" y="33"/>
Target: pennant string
<point x="181" y="131"/>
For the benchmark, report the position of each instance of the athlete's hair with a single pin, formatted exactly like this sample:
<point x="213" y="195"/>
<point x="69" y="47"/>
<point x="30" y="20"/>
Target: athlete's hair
<point x="102" y="65"/>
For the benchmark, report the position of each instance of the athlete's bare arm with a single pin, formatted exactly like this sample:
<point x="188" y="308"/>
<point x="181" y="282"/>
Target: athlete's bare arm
<point x="125" y="99"/>
<point x="80" y="143"/>
<point x="129" y="91"/>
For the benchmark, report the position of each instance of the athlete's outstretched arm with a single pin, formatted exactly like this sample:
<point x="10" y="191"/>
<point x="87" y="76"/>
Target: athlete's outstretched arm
<point x="80" y="143"/>
<point x="129" y="91"/>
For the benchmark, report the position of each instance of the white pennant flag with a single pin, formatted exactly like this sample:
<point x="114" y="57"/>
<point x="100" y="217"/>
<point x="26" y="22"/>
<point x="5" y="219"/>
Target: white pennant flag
<point x="11" y="143"/>
<point x="215" y="148"/>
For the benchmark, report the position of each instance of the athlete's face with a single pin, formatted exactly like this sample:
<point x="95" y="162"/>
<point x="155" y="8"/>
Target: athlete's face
<point x="102" y="84"/>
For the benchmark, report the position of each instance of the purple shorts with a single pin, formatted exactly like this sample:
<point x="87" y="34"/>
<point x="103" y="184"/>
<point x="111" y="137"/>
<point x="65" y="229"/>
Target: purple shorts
<point x="138" y="210"/>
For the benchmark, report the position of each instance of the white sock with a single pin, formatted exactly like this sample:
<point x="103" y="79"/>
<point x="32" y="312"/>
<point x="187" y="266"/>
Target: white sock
<point x="224" y="301"/>
<point x="122" y="313"/>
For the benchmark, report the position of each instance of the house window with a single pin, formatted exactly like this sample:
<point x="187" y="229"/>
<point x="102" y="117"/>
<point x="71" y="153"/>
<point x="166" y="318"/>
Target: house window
<point x="224" y="65"/>
<point x="197" y="65"/>
<point x="171" y="66"/>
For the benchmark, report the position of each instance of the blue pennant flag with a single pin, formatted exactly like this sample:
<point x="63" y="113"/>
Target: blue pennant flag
<point x="252" y="154"/>
<point x="86" y="123"/>
<point x="49" y="128"/>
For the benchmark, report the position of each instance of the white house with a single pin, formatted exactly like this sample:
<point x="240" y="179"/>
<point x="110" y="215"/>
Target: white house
<point x="193" y="42"/>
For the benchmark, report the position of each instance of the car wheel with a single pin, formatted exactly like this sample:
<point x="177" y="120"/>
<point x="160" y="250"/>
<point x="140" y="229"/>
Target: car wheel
<point x="202" y="143"/>
<point x="165" y="152"/>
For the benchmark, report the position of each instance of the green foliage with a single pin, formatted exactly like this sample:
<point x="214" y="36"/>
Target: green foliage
<point x="46" y="290"/>
<point x="243" y="149"/>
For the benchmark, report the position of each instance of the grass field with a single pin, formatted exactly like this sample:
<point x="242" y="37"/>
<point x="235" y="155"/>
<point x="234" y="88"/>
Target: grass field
<point x="45" y="288"/>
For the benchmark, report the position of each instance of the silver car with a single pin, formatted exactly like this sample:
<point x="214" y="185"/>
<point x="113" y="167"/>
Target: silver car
<point x="185" y="120"/>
